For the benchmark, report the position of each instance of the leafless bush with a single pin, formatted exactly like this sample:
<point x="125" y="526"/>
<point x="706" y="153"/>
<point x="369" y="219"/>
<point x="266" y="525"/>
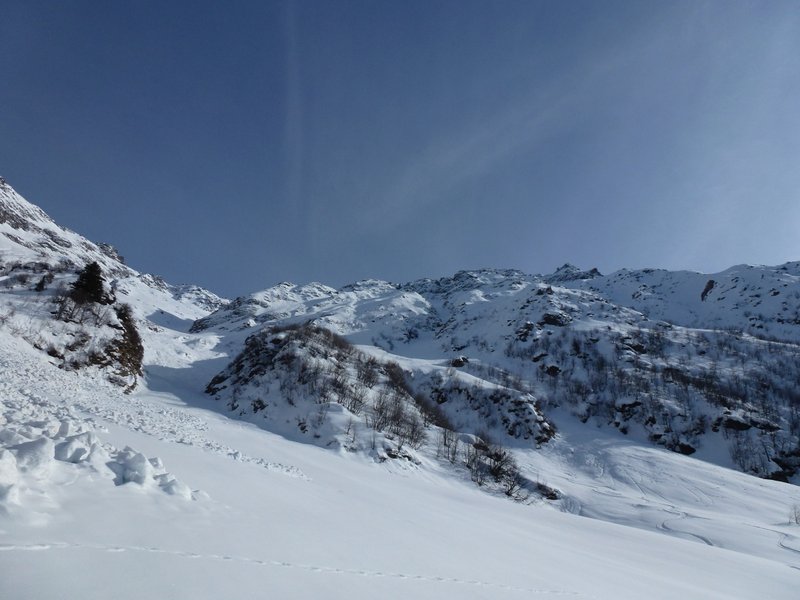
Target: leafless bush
<point x="353" y="398"/>
<point x="380" y="410"/>
<point x="397" y="378"/>
<point x="367" y="372"/>
<point x="431" y="412"/>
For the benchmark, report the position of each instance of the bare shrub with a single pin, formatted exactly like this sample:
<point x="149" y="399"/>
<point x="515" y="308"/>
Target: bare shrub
<point x="367" y="372"/>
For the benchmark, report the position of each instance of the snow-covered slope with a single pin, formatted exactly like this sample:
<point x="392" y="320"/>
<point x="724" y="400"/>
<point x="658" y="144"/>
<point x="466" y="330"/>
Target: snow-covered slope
<point x="684" y="384"/>
<point x="29" y="237"/>
<point x="305" y="441"/>
<point x="39" y="264"/>
<point x="226" y="509"/>
<point x="32" y="244"/>
<point x="763" y="301"/>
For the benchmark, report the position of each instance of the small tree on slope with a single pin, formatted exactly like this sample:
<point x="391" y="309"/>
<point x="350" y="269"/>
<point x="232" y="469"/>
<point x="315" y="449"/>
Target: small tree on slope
<point x="89" y="286"/>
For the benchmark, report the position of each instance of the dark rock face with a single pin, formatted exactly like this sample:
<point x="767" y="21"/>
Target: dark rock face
<point x="552" y="370"/>
<point x="555" y="319"/>
<point x="709" y="286"/>
<point x="735" y="424"/>
<point x="568" y="272"/>
<point x="111" y="252"/>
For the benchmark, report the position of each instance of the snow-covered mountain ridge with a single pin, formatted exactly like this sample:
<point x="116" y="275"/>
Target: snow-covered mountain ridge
<point x="32" y="243"/>
<point x="39" y="263"/>
<point x="255" y="421"/>
<point x="763" y="301"/>
<point x="666" y="366"/>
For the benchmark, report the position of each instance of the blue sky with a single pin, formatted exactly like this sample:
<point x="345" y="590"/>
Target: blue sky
<point x="240" y="144"/>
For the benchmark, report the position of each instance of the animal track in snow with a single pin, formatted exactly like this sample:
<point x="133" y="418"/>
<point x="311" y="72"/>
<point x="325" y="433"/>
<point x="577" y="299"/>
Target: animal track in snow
<point x="43" y="546"/>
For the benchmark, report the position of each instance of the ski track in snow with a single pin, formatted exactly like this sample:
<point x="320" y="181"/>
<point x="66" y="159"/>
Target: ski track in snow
<point x="681" y="516"/>
<point x="782" y="538"/>
<point x="44" y="546"/>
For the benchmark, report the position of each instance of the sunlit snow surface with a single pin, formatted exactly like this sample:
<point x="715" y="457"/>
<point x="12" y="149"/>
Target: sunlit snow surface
<point x="252" y="515"/>
<point x="163" y="494"/>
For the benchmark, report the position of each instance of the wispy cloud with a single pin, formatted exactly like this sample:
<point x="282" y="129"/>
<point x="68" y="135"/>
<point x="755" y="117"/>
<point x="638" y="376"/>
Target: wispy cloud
<point x="294" y="134"/>
<point x="472" y="149"/>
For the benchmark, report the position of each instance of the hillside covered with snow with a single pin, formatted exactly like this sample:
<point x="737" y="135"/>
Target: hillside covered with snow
<point x="483" y="435"/>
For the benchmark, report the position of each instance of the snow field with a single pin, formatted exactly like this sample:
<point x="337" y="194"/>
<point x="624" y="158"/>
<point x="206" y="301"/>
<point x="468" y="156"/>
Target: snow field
<point x="89" y="510"/>
<point x="346" y="527"/>
<point x="48" y="442"/>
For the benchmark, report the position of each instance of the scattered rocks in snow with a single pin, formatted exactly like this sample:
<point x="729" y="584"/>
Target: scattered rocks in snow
<point x="459" y="362"/>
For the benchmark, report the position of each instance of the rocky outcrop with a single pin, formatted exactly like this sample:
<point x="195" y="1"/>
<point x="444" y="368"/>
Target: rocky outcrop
<point x="709" y="286"/>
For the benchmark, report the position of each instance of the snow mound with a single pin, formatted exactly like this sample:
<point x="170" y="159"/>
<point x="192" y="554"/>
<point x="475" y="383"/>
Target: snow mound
<point x="46" y="441"/>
